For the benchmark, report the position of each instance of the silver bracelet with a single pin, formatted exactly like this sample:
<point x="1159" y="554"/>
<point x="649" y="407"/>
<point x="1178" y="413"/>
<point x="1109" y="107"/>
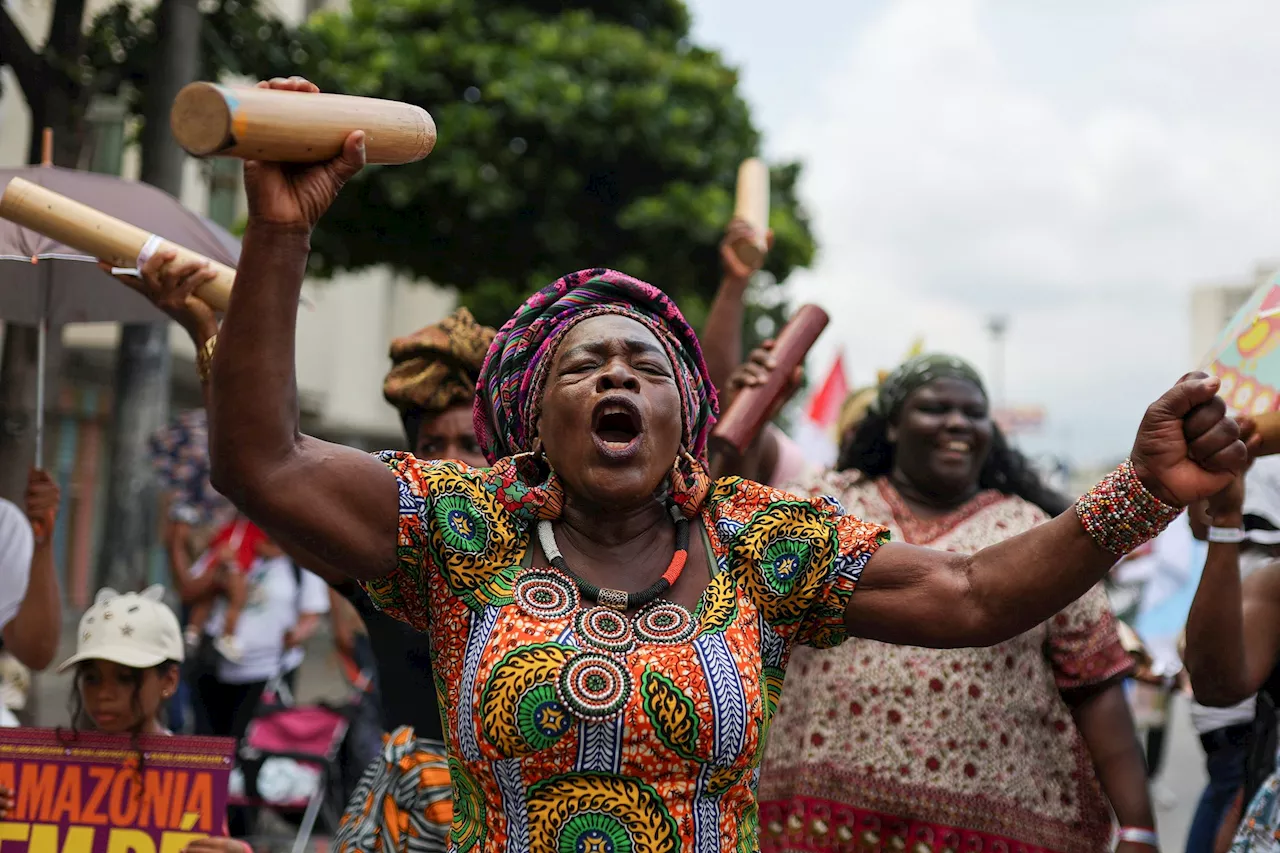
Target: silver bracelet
<point x="1134" y="835"/>
<point x="1227" y="535"/>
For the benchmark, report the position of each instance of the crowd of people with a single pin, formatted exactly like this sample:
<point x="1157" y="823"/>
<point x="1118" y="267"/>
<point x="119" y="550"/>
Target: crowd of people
<point x="587" y="628"/>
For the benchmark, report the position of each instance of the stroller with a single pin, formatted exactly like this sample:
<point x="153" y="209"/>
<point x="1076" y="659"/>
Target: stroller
<point x="289" y="763"/>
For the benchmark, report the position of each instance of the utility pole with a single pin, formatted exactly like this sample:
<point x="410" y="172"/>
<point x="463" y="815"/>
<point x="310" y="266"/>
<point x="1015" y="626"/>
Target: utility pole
<point x="143" y="358"/>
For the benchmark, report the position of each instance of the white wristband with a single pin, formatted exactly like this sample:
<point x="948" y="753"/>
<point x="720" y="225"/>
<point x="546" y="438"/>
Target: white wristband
<point x="1146" y="837"/>
<point x="1227" y="535"/>
<point x="148" y="249"/>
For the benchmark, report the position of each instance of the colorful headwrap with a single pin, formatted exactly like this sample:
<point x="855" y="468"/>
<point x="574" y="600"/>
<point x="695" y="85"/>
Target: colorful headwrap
<point x="509" y="392"/>
<point x="917" y="372"/>
<point x="436" y="367"/>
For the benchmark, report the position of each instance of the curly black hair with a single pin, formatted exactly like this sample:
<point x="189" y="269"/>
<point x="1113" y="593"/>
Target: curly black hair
<point x="868" y="449"/>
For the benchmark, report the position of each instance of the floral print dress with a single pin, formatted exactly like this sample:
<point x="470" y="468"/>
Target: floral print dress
<point x="882" y="747"/>
<point x="573" y="727"/>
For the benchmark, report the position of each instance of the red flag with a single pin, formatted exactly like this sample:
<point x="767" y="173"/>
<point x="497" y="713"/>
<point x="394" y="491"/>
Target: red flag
<point x="824" y="404"/>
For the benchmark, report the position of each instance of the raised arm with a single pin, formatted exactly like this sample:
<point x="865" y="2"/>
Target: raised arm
<point x="171" y="287"/>
<point x="332" y="505"/>
<point x="1186" y="449"/>
<point x="722" y="333"/>
<point x="1233" y="629"/>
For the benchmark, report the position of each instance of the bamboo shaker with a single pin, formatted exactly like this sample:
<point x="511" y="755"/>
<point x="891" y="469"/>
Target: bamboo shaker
<point x="210" y="120"/>
<point x="95" y="233"/>
<point x="752" y="408"/>
<point x="753" y="206"/>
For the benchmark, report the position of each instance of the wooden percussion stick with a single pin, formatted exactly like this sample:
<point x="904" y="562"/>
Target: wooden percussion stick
<point x="93" y="232"/>
<point x="753" y="206"/>
<point x="296" y="127"/>
<point x="741" y="424"/>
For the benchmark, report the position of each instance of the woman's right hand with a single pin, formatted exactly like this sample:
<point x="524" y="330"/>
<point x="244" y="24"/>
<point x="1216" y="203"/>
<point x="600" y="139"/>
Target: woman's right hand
<point x="294" y="196"/>
<point x="43" y="497"/>
<point x="756" y="371"/>
<point x="740" y="230"/>
<point x="1230" y="501"/>
<point x="6" y="802"/>
<point x="171" y="287"/>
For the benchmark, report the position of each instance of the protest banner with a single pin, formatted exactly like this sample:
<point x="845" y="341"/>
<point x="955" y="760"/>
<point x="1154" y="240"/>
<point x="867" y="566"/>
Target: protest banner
<point x="95" y="793"/>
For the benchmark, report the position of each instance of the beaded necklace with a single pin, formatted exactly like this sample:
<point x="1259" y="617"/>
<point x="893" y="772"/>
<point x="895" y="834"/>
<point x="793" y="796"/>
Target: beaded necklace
<point x="616" y="599"/>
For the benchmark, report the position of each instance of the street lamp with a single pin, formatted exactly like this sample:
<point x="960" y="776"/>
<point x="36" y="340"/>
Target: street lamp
<point x="997" y="325"/>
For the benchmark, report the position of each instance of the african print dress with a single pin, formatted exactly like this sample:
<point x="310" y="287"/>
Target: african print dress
<point x="881" y="747"/>
<point x="576" y="728"/>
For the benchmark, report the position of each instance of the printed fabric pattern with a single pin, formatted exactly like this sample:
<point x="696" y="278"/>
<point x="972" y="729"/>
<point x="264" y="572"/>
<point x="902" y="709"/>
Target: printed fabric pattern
<point x="180" y="456"/>
<point x="882" y="747"/>
<point x="403" y="802"/>
<point x="572" y="727"/>
<point x="1259" y="830"/>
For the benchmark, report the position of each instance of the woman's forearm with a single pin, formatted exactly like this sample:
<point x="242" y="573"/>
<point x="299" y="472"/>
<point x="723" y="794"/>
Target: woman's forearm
<point x="1106" y="725"/>
<point x="921" y="597"/>
<point x="1216" y="653"/>
<point x="253" y="399"/>
<point x="32" y="635"/>
<point x="334" y="504"/>
<point x="722" y="333"/>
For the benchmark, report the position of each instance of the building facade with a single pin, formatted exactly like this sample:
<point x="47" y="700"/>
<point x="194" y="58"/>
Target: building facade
<point x="1213" y="304"/>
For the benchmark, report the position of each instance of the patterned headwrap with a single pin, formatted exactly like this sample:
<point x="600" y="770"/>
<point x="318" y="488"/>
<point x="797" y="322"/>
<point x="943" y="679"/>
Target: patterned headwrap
<point x="917" y="372"/>
<point x="436" y="367"/>
<point x="509" y="392"/>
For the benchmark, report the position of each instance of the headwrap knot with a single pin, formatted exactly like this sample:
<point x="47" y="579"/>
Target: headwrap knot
<point x="436" y="367"/>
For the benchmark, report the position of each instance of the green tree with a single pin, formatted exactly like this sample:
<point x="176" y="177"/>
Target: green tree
<point x="571" y="134"/>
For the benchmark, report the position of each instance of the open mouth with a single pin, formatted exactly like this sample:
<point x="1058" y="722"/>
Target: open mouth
<point x="616" y="425"/>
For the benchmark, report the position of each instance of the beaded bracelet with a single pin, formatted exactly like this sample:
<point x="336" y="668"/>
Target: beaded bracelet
<point x="1120" y="514"/>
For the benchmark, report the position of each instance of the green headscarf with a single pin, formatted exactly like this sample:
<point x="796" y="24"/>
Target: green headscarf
<point x="917" y="372"/>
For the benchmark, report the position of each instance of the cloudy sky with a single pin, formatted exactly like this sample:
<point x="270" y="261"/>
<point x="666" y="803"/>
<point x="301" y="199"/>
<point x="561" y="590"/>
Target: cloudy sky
<point x="1078" y="167"/>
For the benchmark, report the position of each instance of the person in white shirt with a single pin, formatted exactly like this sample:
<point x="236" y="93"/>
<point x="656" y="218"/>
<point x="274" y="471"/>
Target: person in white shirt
<point x="284" y="607"/>
<point x="285" y="604"/>
<point x="30" y="601"/>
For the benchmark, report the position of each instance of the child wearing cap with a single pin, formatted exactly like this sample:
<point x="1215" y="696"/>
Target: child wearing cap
<point x="128" y="655"/>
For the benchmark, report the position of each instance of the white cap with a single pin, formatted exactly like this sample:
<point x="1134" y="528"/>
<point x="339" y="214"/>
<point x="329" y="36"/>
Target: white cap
<point x="130" y="629"/>
<point x="1262" y="489"/>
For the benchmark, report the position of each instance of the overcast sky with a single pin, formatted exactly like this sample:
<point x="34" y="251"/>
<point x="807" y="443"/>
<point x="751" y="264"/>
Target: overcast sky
<point x="1076" y="166"/>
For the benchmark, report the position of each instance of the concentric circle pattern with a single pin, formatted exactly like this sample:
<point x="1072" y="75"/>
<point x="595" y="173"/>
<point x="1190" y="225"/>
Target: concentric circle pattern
<point x="461" y="524"/>
<point x="594" y="687"/>
<point x="605" y="629"/>
<point x="545" y="594"/>
<point x="664" y="623"/>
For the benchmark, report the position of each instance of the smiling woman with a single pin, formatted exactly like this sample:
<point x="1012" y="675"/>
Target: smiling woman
<point x="580" y="717"/>
<point x="987" y="755"/>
